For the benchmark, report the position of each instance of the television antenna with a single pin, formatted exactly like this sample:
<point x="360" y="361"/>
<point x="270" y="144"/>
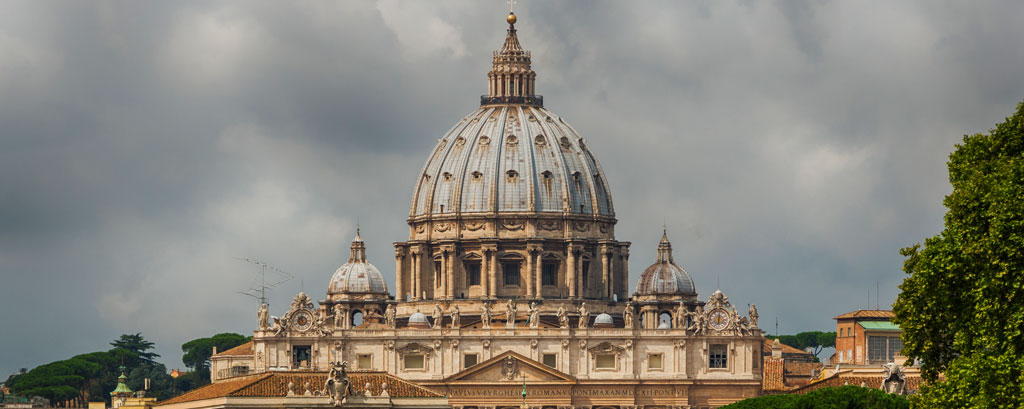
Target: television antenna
<point x="259" y="290"/>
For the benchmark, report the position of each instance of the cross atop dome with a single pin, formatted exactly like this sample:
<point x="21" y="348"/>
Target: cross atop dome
<point x="511" y="80"/>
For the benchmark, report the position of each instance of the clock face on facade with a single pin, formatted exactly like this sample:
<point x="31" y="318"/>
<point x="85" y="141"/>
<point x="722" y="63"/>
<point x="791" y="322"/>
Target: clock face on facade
<point x="302" y="320"/>
<point x="719" y="319"/>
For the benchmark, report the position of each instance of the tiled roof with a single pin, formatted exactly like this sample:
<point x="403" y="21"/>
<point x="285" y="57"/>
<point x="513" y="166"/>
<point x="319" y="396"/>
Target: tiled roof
<point x="867" y="314"/>
<point x="244" y="349"/>
<point x="793" y="368"/>
<point x="786" y="349"/>
<point x="840" y="379"/>
<point x="771" y="379"/>
<point x="215" y="390"/>
<point x="275" y="384"/>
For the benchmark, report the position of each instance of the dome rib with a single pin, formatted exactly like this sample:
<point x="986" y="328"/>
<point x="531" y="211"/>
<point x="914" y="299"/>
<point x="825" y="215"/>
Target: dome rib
<point x="465" y="177"/>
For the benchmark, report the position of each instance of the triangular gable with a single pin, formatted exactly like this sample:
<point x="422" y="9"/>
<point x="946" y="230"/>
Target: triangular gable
<point x="498" y="368"/>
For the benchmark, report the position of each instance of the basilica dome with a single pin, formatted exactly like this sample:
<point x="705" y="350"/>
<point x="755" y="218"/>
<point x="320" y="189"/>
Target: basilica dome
<point x="511" y="155"/>
<point x="664" y="277"/>
<point x="357" y="276"/>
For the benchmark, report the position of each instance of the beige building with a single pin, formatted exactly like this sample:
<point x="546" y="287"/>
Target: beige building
<point x="512" y="281"/>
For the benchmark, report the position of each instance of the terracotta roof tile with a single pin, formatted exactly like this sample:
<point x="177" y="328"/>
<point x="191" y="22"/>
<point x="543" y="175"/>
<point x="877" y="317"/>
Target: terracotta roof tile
<point x="786" y="349"/>
<point x="840" y="379"/>
<point x="215" y="390"/>
<point x="771" y="378"/>
<point x="244" y="349"/>
<point x="275" y="384"/>
<point x="793" y="368"/>
<point x="867" y="314"/>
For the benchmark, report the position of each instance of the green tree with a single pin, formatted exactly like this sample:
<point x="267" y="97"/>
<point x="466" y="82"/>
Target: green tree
<point x="137" y="344"/>
<point x="962" y="307"/>
<point x="198" y="352"/>
<point x="848" y="396"/>
<point x="813" y="340"/>
<point x="161" y="384"/>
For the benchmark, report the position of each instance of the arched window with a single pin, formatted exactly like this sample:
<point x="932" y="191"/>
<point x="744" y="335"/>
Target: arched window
<point x="665" y="317"/>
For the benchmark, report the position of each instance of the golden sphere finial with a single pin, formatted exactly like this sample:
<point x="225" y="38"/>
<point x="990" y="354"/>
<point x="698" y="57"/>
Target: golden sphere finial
<point x="511" y="18"/>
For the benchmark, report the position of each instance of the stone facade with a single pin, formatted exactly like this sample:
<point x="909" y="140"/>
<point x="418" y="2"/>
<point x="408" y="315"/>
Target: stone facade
<point x="512" y="281"/>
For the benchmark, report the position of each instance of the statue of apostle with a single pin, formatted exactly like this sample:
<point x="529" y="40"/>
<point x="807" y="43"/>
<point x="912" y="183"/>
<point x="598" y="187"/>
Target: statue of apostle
<point x="584" y="316"/>
<point x="263" y="316"/>
<point x="485" y="316"/>
<point x="510" y="314"/>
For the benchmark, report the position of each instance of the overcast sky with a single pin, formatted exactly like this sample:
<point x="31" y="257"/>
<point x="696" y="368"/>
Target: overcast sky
<point x="792" y="148"/>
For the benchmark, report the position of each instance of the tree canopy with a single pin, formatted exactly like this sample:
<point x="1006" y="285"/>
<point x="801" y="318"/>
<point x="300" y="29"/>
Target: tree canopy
<point x="813" y="340"/>
<point x="848" y="396"/>
<point x="137" y="344"/>
<point x="962" y="307"/>
<point x="198" y="352"/>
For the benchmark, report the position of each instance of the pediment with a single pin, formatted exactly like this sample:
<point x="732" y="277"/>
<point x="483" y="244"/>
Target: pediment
<point x="509" y="367"/>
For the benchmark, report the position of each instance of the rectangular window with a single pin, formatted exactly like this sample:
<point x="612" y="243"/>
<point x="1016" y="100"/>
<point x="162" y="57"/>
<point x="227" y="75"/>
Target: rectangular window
<point x="549" y="273"/>
<point x="840" y="356"/>
<point x="365" y="361"/>
<point x="300" y="356"/>
<point x="469" y="360"/>
<point x="895" y="346"/>
<point x="414" y="362"/>
<point x="718" y="357"/>
<point x="437" y="272"/>
<point x="585" y="272"/>
<point x="654" y="361"/>
<point x="473" y="271"/>
<point x="604" y="361"/>
<point x="550" y="360"/>
<point x="511" y="270"/>
<point x="876" y="349"/>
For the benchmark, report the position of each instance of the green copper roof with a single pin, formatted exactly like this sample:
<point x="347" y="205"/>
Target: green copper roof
<point x="122" y="387"/>
<point x="879" y="326"/>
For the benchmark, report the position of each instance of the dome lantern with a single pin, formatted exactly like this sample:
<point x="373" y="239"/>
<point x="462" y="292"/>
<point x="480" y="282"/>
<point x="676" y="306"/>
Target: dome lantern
<point x="664" y="277"/>
<point x="357" y="276"/>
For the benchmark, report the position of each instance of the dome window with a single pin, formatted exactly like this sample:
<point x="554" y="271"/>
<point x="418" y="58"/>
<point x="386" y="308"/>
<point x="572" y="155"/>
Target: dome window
<point x="447" y="177"/>
<point x="565" y="143"/>
<point x="539" y="140"/>
<point x="512" y="175"/>
<point x="476" y="175"/>
<point x="484" y="140"/>
<point x="546" y="174"/>
<point x="461" y="141"/>
<point x="512" y="141"/>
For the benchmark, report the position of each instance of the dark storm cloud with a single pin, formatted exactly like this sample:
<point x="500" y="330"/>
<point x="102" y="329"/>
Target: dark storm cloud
<point x="792" y="148"/>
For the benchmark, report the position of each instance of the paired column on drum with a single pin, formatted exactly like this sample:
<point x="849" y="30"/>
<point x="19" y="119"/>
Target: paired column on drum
<point x="399" y="277"/>
<point x="571" y="272"/>
<point x="491" y="257"/>
<point x="533" y="271"/>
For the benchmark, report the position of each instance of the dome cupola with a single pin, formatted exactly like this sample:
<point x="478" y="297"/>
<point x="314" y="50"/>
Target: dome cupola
<point x="357" y="276"/>
<point x="664" y="277"/>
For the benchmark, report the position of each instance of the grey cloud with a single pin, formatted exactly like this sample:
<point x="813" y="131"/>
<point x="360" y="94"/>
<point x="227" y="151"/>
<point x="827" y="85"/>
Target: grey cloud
<point x="792" y="148"/>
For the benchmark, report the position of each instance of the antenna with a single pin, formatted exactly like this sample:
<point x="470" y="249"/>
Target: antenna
<point x="259" y="291"/>
<point x="776" y="326"/>
<point x="877" y="295"/>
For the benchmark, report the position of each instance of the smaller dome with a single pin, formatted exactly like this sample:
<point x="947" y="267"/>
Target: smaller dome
<point x="418" y="320"/>
<point x="604" y="320"/>
<point x="664" y="325"/>
<point x="664" y="277"/>
<point x="357" y="275"/>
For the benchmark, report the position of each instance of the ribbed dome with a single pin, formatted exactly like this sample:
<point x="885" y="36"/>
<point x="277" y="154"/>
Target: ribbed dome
<point x="511" y="158"/>
<point x="357" y="275"/>
<point x="511" y="154"/>
<point x="603" y="319"/>
<point x="664" y="277"/>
